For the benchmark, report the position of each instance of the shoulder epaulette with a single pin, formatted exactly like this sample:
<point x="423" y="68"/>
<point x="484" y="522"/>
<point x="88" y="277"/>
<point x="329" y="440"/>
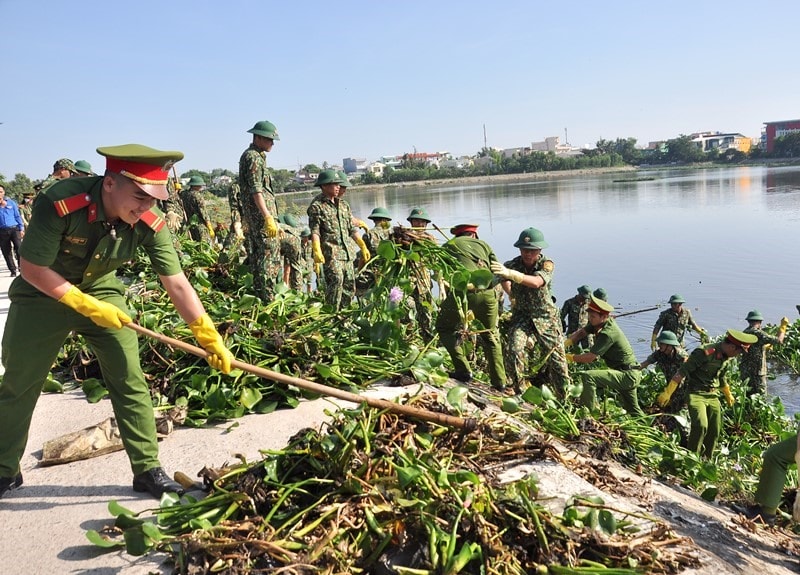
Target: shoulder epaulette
<point x="72" y="204"/>
<point x="153" y="220"/>
<point x="710" y="350"/>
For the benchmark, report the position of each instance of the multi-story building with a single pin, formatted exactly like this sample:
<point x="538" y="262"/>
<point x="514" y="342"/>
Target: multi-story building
<point x="773" y="130"/>
<point x="708" y="141"/>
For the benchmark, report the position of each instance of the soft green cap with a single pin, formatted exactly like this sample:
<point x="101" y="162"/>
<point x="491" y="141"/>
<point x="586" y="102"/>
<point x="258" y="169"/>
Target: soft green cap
<point x="668" y="338"/>
<point x="600" y="293"/>
<point x="755" y="315"/>
<point x="196" y="181"/>
<point x="266" y="129"/>
<point x="418" y="213"/>
<point x="84" y="167"/>
<point x="676" y="298"/>
<point x="327" y="177"/>
<point x="585" y="291"/>
<point x="379" y="214"/>
<point x="531" y="239"/>
<point x="740" y="338"/>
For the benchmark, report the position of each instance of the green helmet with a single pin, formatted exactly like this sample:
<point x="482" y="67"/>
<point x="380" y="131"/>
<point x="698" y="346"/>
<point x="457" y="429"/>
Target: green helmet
<point x="676" y="298"/>
<point x="266" y="129"/>
<point x="668" y="338"/>
<point x="306" y="232"/>
<point x="289" y="220"/>
<point x="418" y="213"/>
<point x="755" y="315"/>
<point x="84" y="167"/>
<point x="379" y="214"/>
<point x="196" y="181"/>
<point x="585" y="291"/>
<point x="600" y="293"/>
<point x="327" y="177"/>
<point x="531" y="239"/>
<point x="343" y="181"/>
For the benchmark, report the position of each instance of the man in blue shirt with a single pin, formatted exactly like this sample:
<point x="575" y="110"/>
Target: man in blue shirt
<point x="12" y="228"/>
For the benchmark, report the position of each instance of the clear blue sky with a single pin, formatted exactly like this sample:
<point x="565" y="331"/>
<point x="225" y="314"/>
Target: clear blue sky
<point x="368" y="78"/>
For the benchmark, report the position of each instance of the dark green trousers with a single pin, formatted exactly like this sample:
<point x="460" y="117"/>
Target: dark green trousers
<point x="35" y="331"/>
<point x="623" y="382"/>
<point x="771" y="480"/>
<point x="449" y="324"/>
<point x="705" y="414"/>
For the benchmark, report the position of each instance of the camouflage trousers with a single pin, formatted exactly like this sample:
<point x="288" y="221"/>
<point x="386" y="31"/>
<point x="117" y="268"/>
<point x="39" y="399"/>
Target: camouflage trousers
<point x="523" y="338"/>
<point x="756" y="382"/>
<point x="340" y="282"/>
<point x="266" y="264"/>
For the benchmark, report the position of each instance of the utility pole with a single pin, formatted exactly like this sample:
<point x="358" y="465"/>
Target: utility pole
<point x="485" y="147"/>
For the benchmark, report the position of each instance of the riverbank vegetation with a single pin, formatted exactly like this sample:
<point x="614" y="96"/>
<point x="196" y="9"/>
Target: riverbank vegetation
<point x="373" y="493"/>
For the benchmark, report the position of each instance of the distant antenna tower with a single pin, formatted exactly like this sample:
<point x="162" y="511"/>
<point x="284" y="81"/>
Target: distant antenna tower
<point x="485" y="147"/>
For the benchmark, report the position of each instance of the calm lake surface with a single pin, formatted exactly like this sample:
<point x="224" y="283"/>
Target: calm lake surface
<point x="725" y="239"/>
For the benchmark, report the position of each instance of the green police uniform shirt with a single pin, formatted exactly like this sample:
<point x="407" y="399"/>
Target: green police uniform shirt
<point x="471" y="252"/>
<point x="704" y="371"/>
<point x="80" y="245"/>
<point x="612" y="345"/>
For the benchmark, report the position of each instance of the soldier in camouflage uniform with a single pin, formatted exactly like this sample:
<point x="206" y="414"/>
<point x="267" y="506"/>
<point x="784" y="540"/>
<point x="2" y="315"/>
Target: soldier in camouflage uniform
<point x="669" y="357"/>
<point x="26" y="206"/>
<point x="173" y="207"/>
<point x="420" y="277"/>
<point x="259" y="211"/>
<point x="332" y="239"/>
<point x="200" y="227"/>
<point x="381" y="231"/>
<point x="527" y="280"/>
<point x="574" y="314"/>
<point x="678" y="320"/>
<point x="307" y="258"/>
<point x="291" y="252"/>
<point x="753" y="362"/>
<point x="83" y="169"/>
<point x="62" y="169"/>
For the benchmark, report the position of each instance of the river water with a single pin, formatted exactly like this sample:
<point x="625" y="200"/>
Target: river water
<point x="724" y="238"/>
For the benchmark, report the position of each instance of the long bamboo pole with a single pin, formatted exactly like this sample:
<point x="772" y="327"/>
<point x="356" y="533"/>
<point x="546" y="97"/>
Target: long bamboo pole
<point x="467" y="424"/>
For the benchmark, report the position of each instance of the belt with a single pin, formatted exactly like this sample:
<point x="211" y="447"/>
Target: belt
<point x="9" y="228"/>
<point x="630" y="368"/>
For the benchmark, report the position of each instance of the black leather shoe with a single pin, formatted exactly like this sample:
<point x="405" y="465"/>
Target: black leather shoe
<point x="157" y="483"/>
<point x="755" y="513"/>
<point x="7" y="483"/>
<point x="14" y="273"/>
<point x="462" y="376"/>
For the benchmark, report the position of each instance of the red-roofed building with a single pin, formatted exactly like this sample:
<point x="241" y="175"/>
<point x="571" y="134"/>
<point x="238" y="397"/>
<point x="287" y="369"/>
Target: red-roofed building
<point x="774" y="130"/>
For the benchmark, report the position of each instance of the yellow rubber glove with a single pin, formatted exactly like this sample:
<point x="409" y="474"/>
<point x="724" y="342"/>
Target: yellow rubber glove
<point x="663" y="398"/>
<point x="653" y="342"/>
<point x="270" y="227"/>
<point x="570" y="357"/>
<point x="365" y="255"/>
<point x="237" y="229"/>
<point x="726" y="391"/>
<point x="102" y="313"/>
<point x="219" y="357"/>
<point x="316" y="251"/>
<point x="210" y="229"/>
<point x="502" y="271"/>
<point x="173" y="221"/>
<point x="360" y="224"/>
<point x="568" y="343"/>
<point x="784" y="325"/>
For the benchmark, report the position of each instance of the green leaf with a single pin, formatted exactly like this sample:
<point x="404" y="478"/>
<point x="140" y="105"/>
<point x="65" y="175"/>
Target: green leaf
<point x="387" y="250"/>
<point x="102" y="541"/>
<point x="710" y="493"/>
<point x="607" y="521"/>
<point x="533" y="395"/>
<point x="94" y="389"/>
<point x="115" y="509"/>
<point x="482" y="278"/>
<point x="407" y="475"/>
<point x="456" y="395"/>
<point x="510" y="405"/>
<point x="250" y="397"/>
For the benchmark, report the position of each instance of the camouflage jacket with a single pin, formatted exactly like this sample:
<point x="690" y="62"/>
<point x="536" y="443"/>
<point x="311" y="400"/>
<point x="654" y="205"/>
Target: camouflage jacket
<point x="332" y="221"/>
<point x="574" y="314"/>
<point x="669" y="364"/>
<point x="754" y="360"/>
<point x="254" y="179"/>
<point x="677" y="323"/>
<point x="534" y="303"/>
<point x="374" y="236"/>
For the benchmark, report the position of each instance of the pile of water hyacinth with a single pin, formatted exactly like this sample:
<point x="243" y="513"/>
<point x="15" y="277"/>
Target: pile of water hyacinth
<point x="372" y="493"/>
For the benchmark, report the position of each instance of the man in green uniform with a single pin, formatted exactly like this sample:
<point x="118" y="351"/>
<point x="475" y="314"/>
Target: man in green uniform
<point x="753" y="363"/>
<point x="200" y="227"/>
<point x="669" y="357"/>
<point x="381" y="231"/>
<point x="527" y="279"/>
<point x="62" y="169"/>
<point x="291" y="251"/>
<point x="473" y="254"/>
<point x="707" y="374"/>
<point x="332" y="237"/>
<point x="610" y="344"/>
<point x="678" y="320"/>
<point x="420" y="277"/>
<point x="82" y="230"/>
<point x="575" y="314"/>
<point x="26" y="206"/>
<point x="259" y="211"/>
<point x="772" y="479"/>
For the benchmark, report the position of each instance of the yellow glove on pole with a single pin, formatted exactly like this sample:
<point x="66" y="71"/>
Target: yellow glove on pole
<point x="270" y="227"/>
<point x="653" y="342"/>
<point x="316" y="251"/>
<point x="219" y="357"/>
<point x="102" y="313"/>
<point x="363" y="247"/>
<point x="726" y="391"/>
<point x="663" y="398"/>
